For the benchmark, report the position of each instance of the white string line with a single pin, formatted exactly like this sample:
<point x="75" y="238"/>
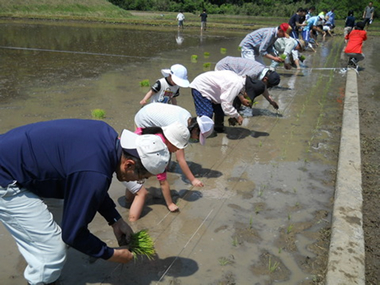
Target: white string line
<point x="74" y="52"/>
<point x="183" y="248"/>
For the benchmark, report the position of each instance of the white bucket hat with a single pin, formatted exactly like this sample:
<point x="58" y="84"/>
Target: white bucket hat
<point x="177" y="134"/>
<point x="178" y="73"/>
<point x="206" y="127"/>
<point x="151" y="150"/>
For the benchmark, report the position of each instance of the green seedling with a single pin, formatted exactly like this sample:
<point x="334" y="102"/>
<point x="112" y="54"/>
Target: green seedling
<point x="207" y="65"/>
<point x="251" y="222"/>
<point x="283" y="56"/>
<point x="223" y="50"/>
<point x="272" y="267"/>
<point x="142" y="245"/>
<point x="98" y="113"/>
<point x="257" y="210"/>
<point x="289" y="216"/>
<point x="235" y="241"/>
<point x="280" y="250"/>
<point x="289" y="229"/>
<point x="145" y="83"/>
<point x="194" y="58"/>
<point x="302" y="58"/>
<point x="223" y="261"/>
<point x="260" y="144"/>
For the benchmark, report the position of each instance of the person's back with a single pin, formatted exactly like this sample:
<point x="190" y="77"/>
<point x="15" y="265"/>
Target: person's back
<point x="161" y="114"/>
<point x="355" y="41"/>
<point x="241" y="66"/>
<point x="350" y="21"/>
<point x="354" y="45"/>
<point x="56" y="148"/>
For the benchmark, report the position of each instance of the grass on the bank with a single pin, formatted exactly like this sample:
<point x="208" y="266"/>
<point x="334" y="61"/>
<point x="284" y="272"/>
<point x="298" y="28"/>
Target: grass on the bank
<point x="61" y="9"/>
<point x="104" y="11"/>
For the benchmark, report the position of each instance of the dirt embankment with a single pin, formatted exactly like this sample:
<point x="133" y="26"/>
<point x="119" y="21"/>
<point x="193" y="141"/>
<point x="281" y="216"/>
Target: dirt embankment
<point x="369" y="104"/>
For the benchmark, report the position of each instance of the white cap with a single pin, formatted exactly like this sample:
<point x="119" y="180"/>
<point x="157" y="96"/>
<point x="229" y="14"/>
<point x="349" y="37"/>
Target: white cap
<point x="178" y="73"/>
<point x="206" y="127"/>
<point x="151" y="150"/>
<point x="177" y="134"/>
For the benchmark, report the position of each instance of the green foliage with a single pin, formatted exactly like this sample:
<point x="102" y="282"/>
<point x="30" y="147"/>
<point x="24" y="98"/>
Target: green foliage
<point x="267" y="8"/>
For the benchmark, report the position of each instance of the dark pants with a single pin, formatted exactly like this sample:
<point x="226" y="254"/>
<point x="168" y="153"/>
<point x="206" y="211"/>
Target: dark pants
<point x="204" y="107"/>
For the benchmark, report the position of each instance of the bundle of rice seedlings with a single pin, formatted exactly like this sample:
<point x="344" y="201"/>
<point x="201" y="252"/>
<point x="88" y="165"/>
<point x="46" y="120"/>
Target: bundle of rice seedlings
<point x="142" y="244"/>
<point x="145" y="83"/>
<point x="283" y="56"/>
<point x="98" y="113"/>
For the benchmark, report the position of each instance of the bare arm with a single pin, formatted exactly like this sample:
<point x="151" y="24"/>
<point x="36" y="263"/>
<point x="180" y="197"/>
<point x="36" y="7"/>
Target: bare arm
<point x="147" y="97"/>
<point x="167" y="196"/>
<point x="269" y="98"/>
<point x="180" y="155"/>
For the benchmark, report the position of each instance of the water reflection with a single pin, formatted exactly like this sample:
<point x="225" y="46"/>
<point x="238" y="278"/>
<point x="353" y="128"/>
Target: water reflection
<point x="179" y="38"/>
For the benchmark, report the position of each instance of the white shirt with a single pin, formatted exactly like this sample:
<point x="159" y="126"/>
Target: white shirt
<point x="221" y="87"/>
<point x="180" y="17"/>
<point x="161" y="115"/>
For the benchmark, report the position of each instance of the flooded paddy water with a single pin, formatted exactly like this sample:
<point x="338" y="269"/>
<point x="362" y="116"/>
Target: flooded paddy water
<point x="264" y="214"/>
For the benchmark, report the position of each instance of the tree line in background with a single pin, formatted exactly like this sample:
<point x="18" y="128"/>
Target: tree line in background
<point x="266" y="8"/>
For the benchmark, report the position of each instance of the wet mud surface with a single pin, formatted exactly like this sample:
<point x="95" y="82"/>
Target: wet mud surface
<point x="369" y="104"/>
<point x="264" y="214"/>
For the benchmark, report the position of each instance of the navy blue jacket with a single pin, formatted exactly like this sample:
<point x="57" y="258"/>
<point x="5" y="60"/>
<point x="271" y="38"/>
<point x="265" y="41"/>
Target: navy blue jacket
<point x="68" y="159"/>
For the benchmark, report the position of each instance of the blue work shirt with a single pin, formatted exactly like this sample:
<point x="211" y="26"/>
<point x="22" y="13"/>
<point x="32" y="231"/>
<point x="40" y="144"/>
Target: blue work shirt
<point x="68" y="159"/>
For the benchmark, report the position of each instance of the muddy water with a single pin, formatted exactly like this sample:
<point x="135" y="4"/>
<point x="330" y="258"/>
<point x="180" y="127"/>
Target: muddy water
<point x="264" y="213"/>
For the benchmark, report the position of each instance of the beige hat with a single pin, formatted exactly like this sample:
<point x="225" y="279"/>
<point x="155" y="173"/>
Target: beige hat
<point x="151" y="150"/>
<point x="177" y="134"/>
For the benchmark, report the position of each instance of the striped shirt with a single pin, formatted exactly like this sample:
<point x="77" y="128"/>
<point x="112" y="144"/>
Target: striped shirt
<point x="261" y="41"/>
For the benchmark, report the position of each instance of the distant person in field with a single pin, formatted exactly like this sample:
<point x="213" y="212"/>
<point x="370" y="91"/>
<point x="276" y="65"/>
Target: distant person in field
<point x="355" y="43"/>
<point x="203" y="16"/>
<point x="349" y="23"/>
<point x="259" y="43"/>
<point x="368" y="14"/>
<point x="180" y="19"/>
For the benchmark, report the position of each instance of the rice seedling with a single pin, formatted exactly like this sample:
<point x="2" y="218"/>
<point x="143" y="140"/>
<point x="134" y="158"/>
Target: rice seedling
<point x="272" y="266"/>
<point x="223" y="261"/>
<point x="302" y="58"/>
<point x="257" y="210"/>
<point x="206" y="54"/>
<point x="98" y="113"/>
<point x="235" y="241"/>
<point x="223" y="50"/>
<point x="144" y="83"/>
<point x="194" y="58"/>
<point x="289" y="216"/>
<point x="289" y="229"/>
<point x="207" y="65"/>
<point x="142" y="245"/>
<point x="251" y="222"/>
<point x="283" y="56"/>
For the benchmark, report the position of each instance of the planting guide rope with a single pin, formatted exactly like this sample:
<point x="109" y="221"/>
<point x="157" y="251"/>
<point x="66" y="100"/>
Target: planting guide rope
<point x="74" y="52"/>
